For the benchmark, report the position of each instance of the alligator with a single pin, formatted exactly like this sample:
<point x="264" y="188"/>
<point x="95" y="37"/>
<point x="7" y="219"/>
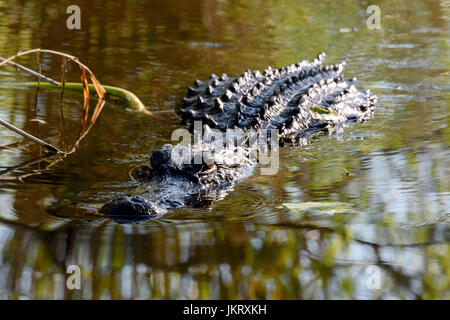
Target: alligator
<point x="290" y="105"/>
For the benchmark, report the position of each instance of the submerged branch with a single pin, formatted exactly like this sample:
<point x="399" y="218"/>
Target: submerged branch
<point x="98" y="86"/>
<point x="84" y="86"/>
<point x="29" y="136"/>
<point x="55" y="159"/>
<point x="32" y="72"/>
<point x="110" y="91"/>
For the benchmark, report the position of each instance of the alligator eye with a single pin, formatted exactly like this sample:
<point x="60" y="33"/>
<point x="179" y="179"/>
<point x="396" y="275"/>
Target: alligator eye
<point x="208" y="168"/>
<point x="141" y="173"/>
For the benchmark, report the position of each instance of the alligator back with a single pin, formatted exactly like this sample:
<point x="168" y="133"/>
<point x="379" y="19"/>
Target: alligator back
<point x="295" y="100"/>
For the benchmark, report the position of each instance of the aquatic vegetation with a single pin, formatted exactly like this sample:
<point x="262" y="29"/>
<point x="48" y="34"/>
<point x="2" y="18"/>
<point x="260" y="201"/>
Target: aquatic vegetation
<point x="102" y="92"/>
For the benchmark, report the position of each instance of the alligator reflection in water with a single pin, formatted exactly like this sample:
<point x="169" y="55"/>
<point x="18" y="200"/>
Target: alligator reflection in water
<point x="298" y="101"/>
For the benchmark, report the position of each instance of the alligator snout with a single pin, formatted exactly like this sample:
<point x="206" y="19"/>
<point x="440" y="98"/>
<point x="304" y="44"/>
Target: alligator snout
<point x="135" y="208"/>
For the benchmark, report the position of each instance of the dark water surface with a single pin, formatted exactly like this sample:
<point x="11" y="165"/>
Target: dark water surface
<point x="307" y="232"/>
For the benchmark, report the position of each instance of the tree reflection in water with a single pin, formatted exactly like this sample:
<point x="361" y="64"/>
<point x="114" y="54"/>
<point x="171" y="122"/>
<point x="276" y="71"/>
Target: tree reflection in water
<point x="214" y="260"/>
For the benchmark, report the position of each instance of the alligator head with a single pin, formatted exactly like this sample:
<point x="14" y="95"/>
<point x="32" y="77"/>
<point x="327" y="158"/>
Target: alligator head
<point x="175" y="178"/>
